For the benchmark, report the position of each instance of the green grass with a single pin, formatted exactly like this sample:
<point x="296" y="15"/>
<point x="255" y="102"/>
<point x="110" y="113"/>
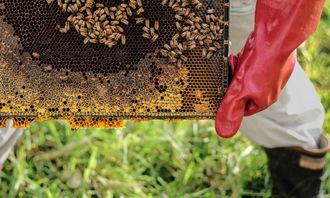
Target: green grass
<point x="154" y="159"/>
<point x="181" y="159"/>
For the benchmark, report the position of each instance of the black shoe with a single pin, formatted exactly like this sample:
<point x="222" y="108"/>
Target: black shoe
<point x="297" y="172"/>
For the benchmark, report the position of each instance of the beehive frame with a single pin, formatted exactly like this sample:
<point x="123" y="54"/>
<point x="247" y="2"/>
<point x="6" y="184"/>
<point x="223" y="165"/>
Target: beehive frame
<point x="161" y="59"/>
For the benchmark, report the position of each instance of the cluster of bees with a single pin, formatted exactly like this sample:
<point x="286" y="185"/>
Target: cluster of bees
<point x="149" y="32"/>
<point x="96" y="22"/>
<point x="101" y="24"/>
<point x="193" y="31"/>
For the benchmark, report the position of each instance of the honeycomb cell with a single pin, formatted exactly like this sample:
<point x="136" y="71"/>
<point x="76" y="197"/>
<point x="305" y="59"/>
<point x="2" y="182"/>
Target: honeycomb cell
<point x="96" y="63"/>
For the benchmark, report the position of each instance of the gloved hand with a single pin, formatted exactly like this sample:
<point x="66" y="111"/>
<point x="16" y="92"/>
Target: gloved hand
<point x="264" y="65"/>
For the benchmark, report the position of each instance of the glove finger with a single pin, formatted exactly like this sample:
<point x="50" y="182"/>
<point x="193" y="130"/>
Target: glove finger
<point x="229" y="116"/>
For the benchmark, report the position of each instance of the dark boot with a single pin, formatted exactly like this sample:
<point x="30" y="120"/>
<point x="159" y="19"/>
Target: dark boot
<point x="296" y="172"/>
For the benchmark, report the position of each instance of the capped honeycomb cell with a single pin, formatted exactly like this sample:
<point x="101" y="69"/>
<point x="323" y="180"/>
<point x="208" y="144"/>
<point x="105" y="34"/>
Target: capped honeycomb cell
<point x="96" y="63"/>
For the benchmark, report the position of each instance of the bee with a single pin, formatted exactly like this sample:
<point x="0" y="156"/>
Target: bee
<point x="48" y="68"/>
<point x="59" y="3"/>
<point x="83" y="29"/>
<point x="217" y="45"/>
<point x="36" y="55"/>
<point x="123" y="39"/>
<point x="89" y="3"/>
<point x="172" y="60"/>
<point x="82" y="9"/>
<point x="193" y="46"/>
<point x="208" y="41"/>
<point x="64" y="7"/>
<point x="209" y="55"/>
<point x="64" y="77"/>
<point x="110" y="43"/>
<point x="164" y="52"/>
<point x="180" y="47"/>
<point x="184" y="4"/>
<point x="63" y="30"/>
<point x="105" y="23"/>
<point x="178" y="52"/>
<point x="174" y="43"/>
<point x="139" y="11"/>
<point x="102" y="40"/>
<point x="198" y="26"/>
<point x="120" y="29"/>
<point x="178" y="25"/>
<point x="146" y="35"/>
<point x="196" y="19"/>
<point x="97" y="33"/>
<point x="164" y="2"/>
<point x="194" y="2"/>
<point x="166" y="46"/>
<point x="186" y="28"/>
<point x="154" y="38"/>
<point x="204" y="52"/>
<point x="214" y="18"/>
<point x="123" y="5"/>
<point x="178" y="17"/>
<point x="179" y="63"/>
<point x="103" y="17"/>
<point x="112" y="15"/>
<point x="139" y="20"/>
<point x="119" y="17"/>
<point x="152" y="31"/>
<point x="117" y="37"/>
<point x="172" y="54"/>
<point x="83" y="34"/>
<point x="176" y="5"/>
<point x="199" y="6"/>
<point x="184" y="58"/>
<point x="124" y="21"/>
<point x="171" y="3"/>
<point x="113" y="9"/>
<point x="89" y="12"/>
<point x="132" y="4"/>
<point x="114" y="22"/>
<point x="156" y="25"/>
<point x="139" y="2"/>
<point x="93" y="40"/>
<point x="188" y="35"/>
<point x="211" y="11"/>
<point x="106" y="10"/>
<point x="189" y="22"/>
<point x="146" y="29"/>
<point x="187" y="12"/>
<point x="129" y="11"/>
<point x="208" y="19"/>
<point x="205" y="26"/>
<point x="98" y="26"/>
<point x="212" y="48"/>
<point x="75" y="8"/>
<point x="176" y="36"/>
<point x="147" y="23"/>
<point x="89" y="25"/>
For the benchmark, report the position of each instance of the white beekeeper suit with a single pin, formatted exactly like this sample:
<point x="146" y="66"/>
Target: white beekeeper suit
<point x="296" y="119"/>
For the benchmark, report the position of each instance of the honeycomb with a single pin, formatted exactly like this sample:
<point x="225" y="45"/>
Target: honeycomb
<point x="97" y="63"/>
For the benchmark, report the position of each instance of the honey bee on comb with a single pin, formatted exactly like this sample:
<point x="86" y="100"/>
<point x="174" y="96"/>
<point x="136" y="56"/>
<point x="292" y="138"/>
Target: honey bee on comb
<point x="149" y="57"/>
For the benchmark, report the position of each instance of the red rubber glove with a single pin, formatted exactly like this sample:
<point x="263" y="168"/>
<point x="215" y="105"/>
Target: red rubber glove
<point x="263" y="67"/>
